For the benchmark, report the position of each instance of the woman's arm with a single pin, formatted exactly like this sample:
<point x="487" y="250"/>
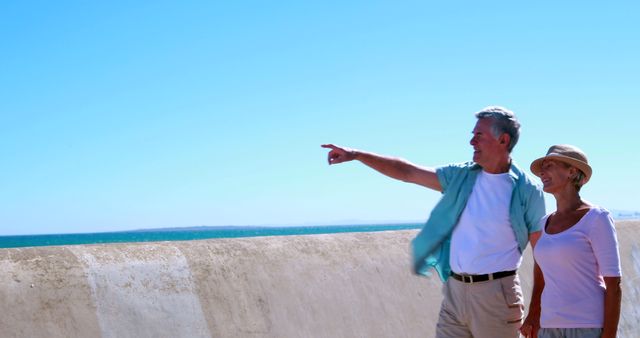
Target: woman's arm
<point x="612" y="300"/>
<point x="531" y="324"/>
<point x="604" y="243"/>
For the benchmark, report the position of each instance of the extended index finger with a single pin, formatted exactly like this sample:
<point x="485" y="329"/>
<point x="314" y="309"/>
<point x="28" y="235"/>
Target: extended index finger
<point x="329" y="145"/>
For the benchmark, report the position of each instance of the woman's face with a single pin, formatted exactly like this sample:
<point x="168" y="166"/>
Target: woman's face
<point x="555" y="176"/>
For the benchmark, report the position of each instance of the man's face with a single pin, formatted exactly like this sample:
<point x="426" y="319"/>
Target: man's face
<point x="486" y="147"/>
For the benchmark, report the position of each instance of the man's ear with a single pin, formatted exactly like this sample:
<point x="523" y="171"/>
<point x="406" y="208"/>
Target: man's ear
<point x="504" y="139"/>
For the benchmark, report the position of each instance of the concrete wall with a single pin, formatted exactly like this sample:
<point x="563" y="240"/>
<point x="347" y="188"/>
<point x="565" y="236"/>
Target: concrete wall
<point x="338" y="285"/>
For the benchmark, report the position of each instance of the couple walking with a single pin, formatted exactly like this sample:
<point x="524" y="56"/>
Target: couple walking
<point x="488" y="213"/>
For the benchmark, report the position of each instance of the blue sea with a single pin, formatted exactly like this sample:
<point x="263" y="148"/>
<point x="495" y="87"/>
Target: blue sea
<point x="192" y="233"/>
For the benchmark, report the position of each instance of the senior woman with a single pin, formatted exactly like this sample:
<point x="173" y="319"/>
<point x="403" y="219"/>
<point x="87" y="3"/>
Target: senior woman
<point x="576" y="291"/>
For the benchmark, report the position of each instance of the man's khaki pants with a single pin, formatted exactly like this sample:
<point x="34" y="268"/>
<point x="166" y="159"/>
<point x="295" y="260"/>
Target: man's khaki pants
<point x="491" y="309"/>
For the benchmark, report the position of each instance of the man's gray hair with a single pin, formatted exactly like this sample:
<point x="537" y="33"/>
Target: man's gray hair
<point x="504" y="121"/>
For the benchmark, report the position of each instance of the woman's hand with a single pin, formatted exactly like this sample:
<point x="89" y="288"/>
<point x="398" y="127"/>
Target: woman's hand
<point x="531" y="325"/>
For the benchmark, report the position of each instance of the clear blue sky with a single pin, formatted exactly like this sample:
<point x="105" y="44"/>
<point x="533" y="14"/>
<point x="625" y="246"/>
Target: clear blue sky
<point x="139" y="114"/>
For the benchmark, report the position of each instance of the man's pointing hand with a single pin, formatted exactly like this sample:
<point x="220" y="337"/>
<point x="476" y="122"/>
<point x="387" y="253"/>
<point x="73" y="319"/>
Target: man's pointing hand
<point x="339" y="154"/>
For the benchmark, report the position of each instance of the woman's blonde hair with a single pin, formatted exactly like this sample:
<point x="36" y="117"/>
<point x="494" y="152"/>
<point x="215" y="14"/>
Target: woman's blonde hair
<point x="578" y="178"/>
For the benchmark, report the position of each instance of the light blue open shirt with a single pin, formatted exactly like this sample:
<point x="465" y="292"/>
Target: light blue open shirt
<point x="432" y="245"/>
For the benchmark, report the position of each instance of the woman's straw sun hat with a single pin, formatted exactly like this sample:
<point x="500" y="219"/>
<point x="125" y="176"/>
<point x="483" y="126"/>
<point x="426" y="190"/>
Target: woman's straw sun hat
<point x="567" y="154"/>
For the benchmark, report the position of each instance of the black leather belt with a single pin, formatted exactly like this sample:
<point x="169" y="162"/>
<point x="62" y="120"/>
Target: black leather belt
<point x="482" y="278"/>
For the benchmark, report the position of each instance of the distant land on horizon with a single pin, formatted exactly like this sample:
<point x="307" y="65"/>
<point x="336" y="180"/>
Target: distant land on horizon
<point x="625" y="214"/>
<point x="232" y="227"/>
<point x="616" y="214"/>
<point x="620" y="215"/>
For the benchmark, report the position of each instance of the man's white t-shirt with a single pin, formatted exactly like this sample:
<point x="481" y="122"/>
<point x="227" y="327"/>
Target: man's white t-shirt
<point x="484" y="241"/>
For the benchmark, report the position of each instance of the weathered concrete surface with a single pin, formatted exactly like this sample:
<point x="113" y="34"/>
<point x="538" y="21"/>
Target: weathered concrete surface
<point x="338" y="285"/>
<point x="45" y="291"/>
<point x="629" y="238"/>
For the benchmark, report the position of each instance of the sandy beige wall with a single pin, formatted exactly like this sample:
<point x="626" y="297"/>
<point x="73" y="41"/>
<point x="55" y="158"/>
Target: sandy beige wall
<point x="338" y="285"/>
